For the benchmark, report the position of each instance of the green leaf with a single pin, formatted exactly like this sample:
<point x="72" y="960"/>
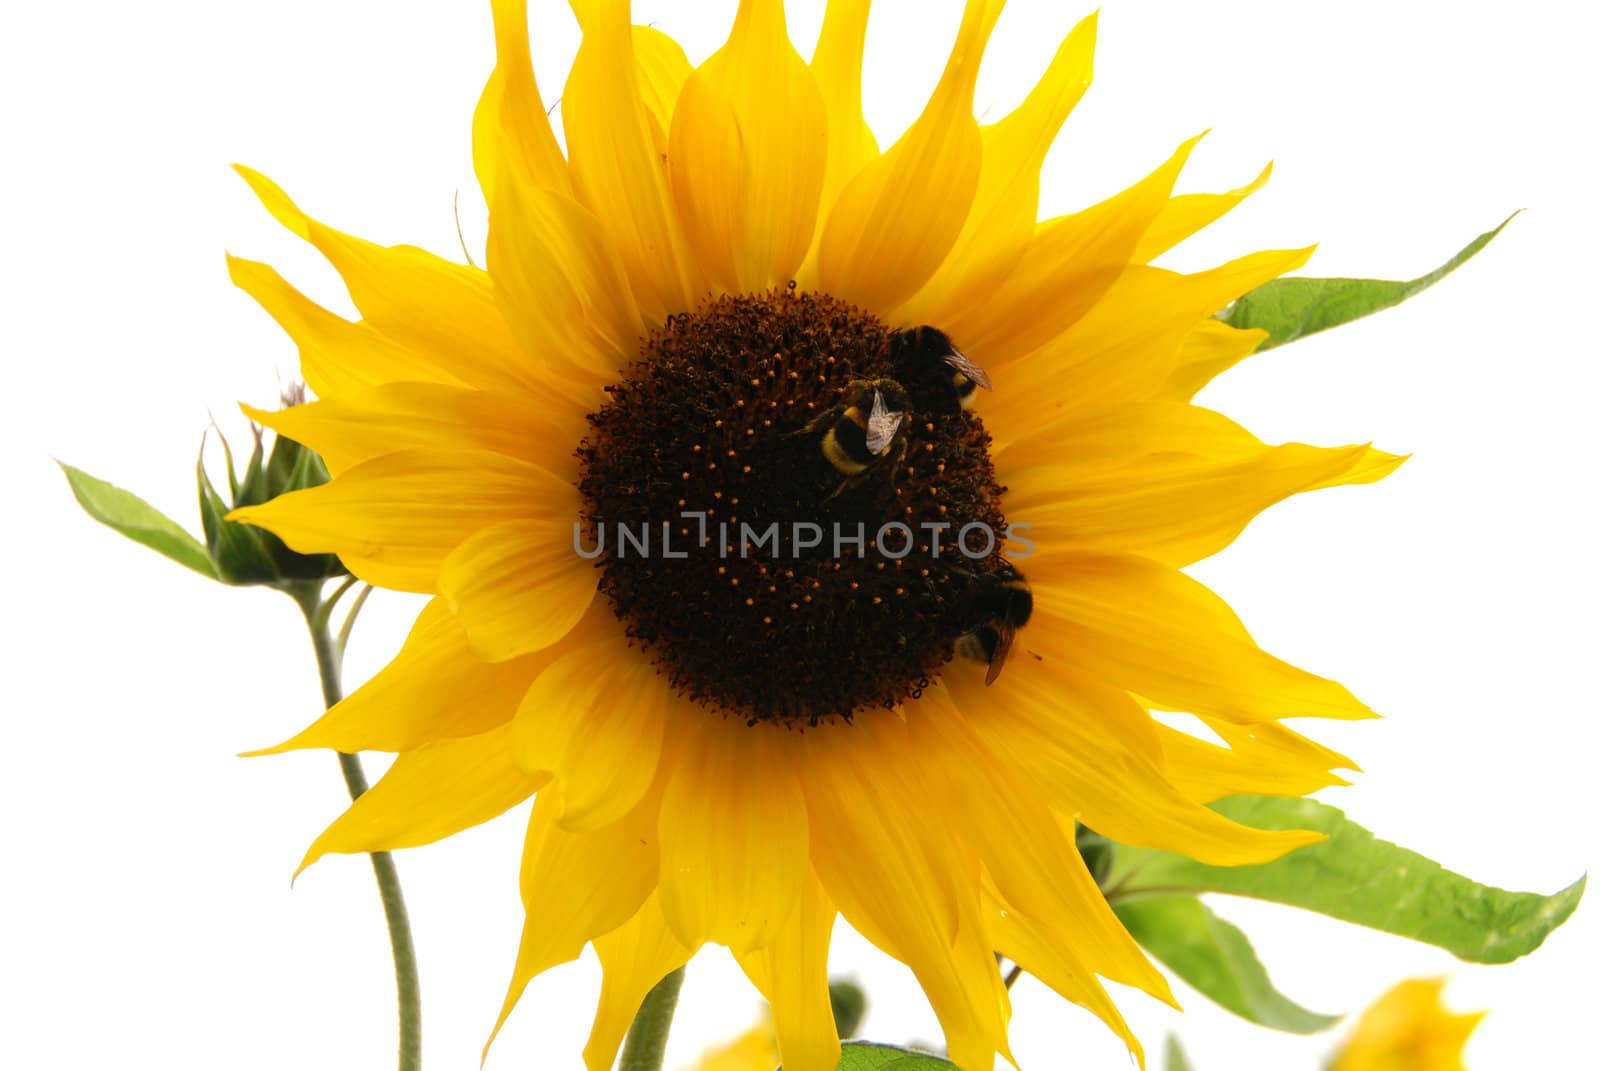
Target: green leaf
<point x="1288" y="309"/>
<point x="1176" y="1059"/>
<point x="1356" y="877"/>
<point x="138" y="520"/>
<point x="1215" y="957"/>
<point x="862" y="1056"/>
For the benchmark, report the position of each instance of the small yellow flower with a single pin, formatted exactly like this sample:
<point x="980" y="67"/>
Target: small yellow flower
<point x="706" y="311"/>
<point x="754" y="1050"/>
<point x="1407" y="1029"/>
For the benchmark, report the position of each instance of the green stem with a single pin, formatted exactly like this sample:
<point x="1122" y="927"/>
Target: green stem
<point x="647" y="1037"/>
<point x="394" y="905"/>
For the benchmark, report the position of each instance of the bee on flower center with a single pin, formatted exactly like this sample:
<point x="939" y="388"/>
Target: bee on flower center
<point x="790" y="454"/>
<point x="1003" y="603"/>
<point x="940" y="375"/>
<point x="861" y="435"/>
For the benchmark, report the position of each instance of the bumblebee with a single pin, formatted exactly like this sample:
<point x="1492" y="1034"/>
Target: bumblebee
<point x="924" y="357"/>
<point x="1004" y="603"/>
<point x="861" y="434"/>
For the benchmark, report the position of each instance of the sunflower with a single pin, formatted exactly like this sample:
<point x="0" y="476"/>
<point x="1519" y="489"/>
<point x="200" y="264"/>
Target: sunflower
<point x="754" y="1050"/>
<point x="727" y="575"/>
<point x="1408" y="1029"/>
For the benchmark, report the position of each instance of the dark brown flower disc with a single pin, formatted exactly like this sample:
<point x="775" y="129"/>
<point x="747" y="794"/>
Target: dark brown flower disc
<point x="766" y="583"/>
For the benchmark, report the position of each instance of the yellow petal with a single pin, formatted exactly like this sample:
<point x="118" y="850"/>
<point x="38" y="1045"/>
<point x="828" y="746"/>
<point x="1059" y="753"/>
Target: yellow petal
<point x="1171" y="482"/>
<point x="899" y="217"/>
<point x="1091" y="752"/>
<point x="1020" y="842"/>
<point x="1189" y="213"/>
<point x="1125" y="348"/>
<point x="617" y="170"/>
<point x="1370" y="467"/>
<point x="1210" y="349"/>
<point x="1048" y="955"/>
<point x="563" y="291"/>
<point x="577" y="886"/>
<point x="369" y="423"/>
<point x="663" y="69"/>
<point x="1146" y="627"/>
<point x="792" y="973"/>
<point x="434" y="689"/>
<point x="1005" y="208"/>
<point x="748" y="152"/>
<point x="836" y="66"/>
<point x="442" y="311"/>
<point x="903" y="883"/>
<point x="511" y="129"/>
<point x="1064" y="270"/>
<point x="1110" y="438"/>
<point x="634" y="958"/>
<point x="393" y="520"/>
<point x="520" y="586"/>
<point x="595" y="719"/>
<point x="336" y="356"/>
<point x="1265" y="760"/>
<point x="430" y="793"/>
<point x="733" y="838"/>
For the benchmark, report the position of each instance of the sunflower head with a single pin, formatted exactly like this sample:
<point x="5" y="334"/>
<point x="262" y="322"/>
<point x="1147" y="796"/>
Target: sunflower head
<point x="804" y="525"/>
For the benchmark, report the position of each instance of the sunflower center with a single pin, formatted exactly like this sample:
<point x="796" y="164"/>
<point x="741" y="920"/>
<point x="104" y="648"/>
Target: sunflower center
<point x="793" y="512"/>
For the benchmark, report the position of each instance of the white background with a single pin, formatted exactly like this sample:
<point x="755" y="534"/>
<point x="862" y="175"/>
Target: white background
<point x="147" y="916"/>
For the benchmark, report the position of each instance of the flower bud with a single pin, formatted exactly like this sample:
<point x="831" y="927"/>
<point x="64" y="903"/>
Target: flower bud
<point x="242" y="553"/>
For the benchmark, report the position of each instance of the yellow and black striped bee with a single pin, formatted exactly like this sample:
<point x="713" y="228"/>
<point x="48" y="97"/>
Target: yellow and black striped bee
<point x="861" y="434"/>
<point x="925" y="356"/>
<point x="1004" y="603"/>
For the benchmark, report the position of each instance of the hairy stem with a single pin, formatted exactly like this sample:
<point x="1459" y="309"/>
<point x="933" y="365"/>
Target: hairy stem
<point x="647" y="1037"/>
<point x="407" y="986"/>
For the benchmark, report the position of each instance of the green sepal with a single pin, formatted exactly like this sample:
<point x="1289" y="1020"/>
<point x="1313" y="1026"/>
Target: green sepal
<point x="864" y="1056"/>
<point x="1290" y="309"/>
<point x="1354" y="876"/>
<point x="240" y="553"/>
<point x="1174" y="1058"/>
<point x="1214" y="956"/>
<point x="243" y="553"/>
<point x="293" y="467"/>
<point x="227" y="455"/>
<point x="252" y="487"/>
<point x="135" y="518"/>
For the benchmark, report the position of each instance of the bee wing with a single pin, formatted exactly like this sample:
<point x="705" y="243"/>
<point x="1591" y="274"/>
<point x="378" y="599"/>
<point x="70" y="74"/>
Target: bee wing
<point x="1001" y="649"/>
<point x="882" y="423"/>
<point x="968" y="367"/>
